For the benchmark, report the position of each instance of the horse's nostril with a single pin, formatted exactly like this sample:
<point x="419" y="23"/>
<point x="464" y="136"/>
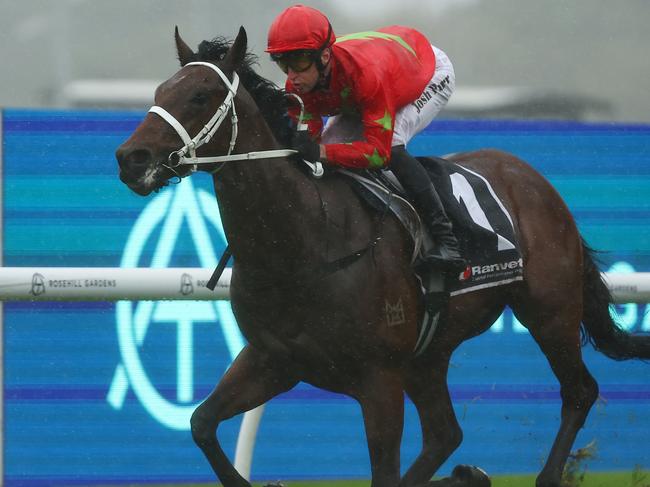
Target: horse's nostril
<point x="134" y="157"/>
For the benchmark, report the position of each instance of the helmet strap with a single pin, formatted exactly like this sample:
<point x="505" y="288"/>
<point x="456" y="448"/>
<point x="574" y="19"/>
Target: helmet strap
<point x="319" y="52"/>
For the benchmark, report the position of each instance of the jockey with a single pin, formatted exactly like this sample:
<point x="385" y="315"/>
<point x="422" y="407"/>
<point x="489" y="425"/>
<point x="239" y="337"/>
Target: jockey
<point x="393" y="79"/>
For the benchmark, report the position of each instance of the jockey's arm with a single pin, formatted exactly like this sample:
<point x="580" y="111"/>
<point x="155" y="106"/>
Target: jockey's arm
<point x="373" y="149"/>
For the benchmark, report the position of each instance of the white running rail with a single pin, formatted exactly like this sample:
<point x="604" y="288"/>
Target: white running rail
<point x="184" y="283"/>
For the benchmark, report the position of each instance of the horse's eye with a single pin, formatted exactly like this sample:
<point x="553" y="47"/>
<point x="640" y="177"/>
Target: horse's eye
<point x="200" y="98"/>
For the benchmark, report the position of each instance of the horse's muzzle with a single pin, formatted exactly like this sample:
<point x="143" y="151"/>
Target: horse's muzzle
<point x="133" y="160"/>
<point x="137" y="169"/>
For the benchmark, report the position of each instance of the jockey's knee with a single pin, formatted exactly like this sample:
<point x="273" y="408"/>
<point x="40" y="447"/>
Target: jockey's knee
<point x="408" y="170"/>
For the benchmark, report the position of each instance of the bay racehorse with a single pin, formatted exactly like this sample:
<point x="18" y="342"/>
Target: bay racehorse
<point x="311" y="282"/>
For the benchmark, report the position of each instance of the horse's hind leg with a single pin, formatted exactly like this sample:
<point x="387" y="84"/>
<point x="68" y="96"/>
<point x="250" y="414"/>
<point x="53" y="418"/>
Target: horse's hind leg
<point x="250" y="381"/>
<point x="556" y="330"/>
<point x="426" y="385"/>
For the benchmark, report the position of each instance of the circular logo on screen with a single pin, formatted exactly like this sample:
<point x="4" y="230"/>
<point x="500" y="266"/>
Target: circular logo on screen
<point x="169" y="213"/>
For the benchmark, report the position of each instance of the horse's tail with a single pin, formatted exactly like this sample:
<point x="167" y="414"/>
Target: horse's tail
<point x="598" y="327"/>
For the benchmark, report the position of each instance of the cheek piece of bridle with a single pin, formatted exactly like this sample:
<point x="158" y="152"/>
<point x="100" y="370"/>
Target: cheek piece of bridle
<point x="186" y="155"/>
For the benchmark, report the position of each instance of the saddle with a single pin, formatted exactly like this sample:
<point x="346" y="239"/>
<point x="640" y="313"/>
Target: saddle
<point x="481" y="223"/>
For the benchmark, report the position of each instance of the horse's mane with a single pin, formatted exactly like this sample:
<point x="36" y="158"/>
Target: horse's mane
<point x="270" y="99"/>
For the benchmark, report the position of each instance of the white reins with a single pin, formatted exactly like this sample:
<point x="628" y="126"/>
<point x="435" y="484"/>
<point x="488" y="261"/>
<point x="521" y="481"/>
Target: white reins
<point x="186" y="155"/>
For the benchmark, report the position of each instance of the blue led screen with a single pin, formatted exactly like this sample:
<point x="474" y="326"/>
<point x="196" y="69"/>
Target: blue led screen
<point x="100" y="393"/>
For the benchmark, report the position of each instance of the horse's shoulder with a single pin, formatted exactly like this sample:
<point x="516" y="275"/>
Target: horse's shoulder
<point x="338" y="185"/>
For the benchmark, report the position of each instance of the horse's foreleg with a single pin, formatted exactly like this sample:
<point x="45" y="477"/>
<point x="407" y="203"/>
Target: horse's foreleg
<point x="251" y="380"/>
<point x="426" y="385"/>
<point x="381" y="397"/>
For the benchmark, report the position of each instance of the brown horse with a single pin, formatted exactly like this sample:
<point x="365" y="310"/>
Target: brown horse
<point x="312" y="306"/>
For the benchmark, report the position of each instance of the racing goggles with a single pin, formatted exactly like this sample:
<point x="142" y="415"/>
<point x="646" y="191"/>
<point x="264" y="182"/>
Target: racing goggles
<point x="298" y="61"/>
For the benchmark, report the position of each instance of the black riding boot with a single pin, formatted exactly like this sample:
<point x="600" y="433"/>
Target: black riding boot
<point x="446" y="255"/>
<point x="417" y="184"/>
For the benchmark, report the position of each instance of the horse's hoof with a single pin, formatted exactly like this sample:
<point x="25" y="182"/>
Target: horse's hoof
<point x="471" y="476"/>
<point x="274" y="484"/>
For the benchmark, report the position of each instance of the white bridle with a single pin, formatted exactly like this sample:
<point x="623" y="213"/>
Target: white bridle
<point x="186" y="155"/>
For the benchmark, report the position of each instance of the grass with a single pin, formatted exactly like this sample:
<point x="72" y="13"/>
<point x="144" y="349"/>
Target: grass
<point x="576" y="474"/>
<point x="635" y="478"/>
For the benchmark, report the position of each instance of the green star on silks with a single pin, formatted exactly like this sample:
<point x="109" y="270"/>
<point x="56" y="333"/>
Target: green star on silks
<point x="386" y="121"/>
<point x="345" y="92"/>
<point x="375" y="159"/>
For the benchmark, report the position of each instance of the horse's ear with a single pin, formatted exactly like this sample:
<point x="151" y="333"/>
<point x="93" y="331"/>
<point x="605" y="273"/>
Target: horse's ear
<point x="185" y="54"/>
<point x="237" y="52"/>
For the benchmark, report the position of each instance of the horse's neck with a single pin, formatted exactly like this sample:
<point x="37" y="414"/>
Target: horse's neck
<point x="268" y="207"/>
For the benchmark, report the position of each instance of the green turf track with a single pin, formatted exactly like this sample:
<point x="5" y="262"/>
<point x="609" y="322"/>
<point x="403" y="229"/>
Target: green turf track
<point x="591" y="479"/>
<point x="613" y="479"/>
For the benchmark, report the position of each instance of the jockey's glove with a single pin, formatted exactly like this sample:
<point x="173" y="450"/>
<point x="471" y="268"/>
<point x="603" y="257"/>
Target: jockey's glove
<point x="307" y="148"/>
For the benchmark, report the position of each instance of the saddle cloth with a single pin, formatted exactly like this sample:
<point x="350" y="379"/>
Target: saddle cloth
<point x="480" y="221"/>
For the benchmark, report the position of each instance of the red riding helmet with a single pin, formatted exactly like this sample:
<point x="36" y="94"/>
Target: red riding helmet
<point x="300" y="27"/>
